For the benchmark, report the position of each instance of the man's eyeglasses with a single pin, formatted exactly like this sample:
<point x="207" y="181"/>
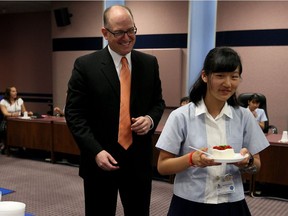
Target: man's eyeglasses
<point x="118" y="34"/>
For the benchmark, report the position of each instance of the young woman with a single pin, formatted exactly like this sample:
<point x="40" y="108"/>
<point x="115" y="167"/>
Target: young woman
<point x="202" y="186"/>
<point x="259" y="114"/>
<point x="11" y="105"/>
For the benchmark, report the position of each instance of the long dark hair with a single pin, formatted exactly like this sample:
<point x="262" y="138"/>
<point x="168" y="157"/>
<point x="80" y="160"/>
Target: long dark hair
<point x="219" y="59"/>
<point x="7" y="94"/>
<point x="256" y="97"/>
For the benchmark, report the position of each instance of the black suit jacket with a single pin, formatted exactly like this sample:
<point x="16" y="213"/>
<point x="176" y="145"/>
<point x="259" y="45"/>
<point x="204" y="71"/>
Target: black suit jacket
<point x="93" y="101"/>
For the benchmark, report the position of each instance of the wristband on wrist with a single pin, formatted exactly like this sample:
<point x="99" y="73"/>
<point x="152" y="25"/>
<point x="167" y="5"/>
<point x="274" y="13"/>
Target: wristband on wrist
<point x="190" y="158"/>
<point x="251" y="160"/>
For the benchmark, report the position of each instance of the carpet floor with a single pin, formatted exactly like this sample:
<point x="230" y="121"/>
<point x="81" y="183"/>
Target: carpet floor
<point x="56" y="190"/>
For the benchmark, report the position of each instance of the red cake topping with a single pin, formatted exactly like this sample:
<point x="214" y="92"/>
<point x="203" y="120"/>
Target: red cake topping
<point x="222" y="147"/>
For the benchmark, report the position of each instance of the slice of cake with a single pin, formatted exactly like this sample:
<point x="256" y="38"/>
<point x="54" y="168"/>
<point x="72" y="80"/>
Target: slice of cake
<point x="223" y="152"/>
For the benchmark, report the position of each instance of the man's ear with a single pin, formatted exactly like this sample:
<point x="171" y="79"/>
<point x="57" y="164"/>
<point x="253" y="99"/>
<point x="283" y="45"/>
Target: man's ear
<point x="104" y="33"/>
<point x="204" y="76"/>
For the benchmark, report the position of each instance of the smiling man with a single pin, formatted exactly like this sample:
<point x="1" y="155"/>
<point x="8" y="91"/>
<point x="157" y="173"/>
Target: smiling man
<point x="114" y="130"/>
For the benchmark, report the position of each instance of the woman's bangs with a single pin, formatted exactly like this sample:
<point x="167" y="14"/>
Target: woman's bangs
<point x="227" y="64"/>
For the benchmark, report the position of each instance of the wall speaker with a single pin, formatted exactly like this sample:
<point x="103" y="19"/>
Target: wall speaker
<point x="62" y="17"/>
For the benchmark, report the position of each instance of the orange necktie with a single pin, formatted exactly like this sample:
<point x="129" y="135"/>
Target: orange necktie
<point x="125" y="133"/>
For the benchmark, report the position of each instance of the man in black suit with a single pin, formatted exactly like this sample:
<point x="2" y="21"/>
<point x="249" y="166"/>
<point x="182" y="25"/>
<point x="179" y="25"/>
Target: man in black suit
<point x="92" y="114"/>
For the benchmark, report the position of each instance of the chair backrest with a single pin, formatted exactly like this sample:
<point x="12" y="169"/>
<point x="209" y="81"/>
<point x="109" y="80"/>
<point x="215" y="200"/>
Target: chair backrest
<point x="243" y="101"/>
<point x="1" y="114"/>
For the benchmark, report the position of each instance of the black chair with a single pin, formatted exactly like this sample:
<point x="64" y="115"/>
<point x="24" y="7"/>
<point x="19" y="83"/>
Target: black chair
<point x="2" y="135"/>
<point x="1" y="114"/>
<point x="243" y="101"/>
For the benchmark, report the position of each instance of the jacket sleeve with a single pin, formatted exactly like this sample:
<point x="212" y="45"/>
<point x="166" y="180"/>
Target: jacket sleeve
<point x="77" y="109"/>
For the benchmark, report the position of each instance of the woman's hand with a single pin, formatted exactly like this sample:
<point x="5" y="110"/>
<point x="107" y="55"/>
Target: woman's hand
<point x="201" y="160"/>
<point x="248" y="161"/>
<point x="244" y="162"/>
<point x="169" y="164"/>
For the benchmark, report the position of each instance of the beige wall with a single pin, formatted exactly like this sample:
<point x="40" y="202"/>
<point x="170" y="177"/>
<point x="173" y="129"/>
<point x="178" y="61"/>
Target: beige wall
<point x="26" y="47"/>
<point x="261" y="64"/>
<point x="251" y="15"/>
<point x="264" y="67"/>
<point x="86" y="20"/>
<point x="163" y="17"/>
<point x="25" y="54"/>
<point x="160" y="17"/>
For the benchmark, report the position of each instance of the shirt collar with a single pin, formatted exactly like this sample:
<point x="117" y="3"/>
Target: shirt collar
<point x="117" y="58"/>
<point x="202" y="109"/>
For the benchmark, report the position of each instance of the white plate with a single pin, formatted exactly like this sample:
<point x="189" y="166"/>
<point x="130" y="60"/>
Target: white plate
<point x="25" y="117"/>
<point x="238" y="157"/>
<point x="283" y="141"/>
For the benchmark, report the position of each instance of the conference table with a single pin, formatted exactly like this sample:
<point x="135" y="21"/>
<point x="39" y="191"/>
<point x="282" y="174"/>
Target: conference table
<point x="63" y="140"/>
<point x="49" y="134"/>
<point x="274" y="162"/>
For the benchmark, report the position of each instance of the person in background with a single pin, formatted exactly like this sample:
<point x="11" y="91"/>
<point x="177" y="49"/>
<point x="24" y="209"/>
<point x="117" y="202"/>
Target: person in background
<point x="92" y="113"/>
<point x="184" y="101"/>
<point x="259" y="114"/>
<point x="58" y="111"/>
<point x="11" y="105"/>
<point x="203" y="186"/>
<point x="2" y="131"/>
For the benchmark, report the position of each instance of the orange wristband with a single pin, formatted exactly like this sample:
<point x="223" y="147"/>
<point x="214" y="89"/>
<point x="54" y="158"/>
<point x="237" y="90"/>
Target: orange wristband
<point x="190" y="158"/>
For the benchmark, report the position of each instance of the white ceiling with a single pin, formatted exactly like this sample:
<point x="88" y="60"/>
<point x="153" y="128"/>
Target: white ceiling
<point x="8" y="7"/>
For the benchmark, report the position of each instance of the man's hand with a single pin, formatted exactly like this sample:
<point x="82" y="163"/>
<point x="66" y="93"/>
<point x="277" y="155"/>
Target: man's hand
<point x="141" y="125"/>
<point x="105" y="161"/>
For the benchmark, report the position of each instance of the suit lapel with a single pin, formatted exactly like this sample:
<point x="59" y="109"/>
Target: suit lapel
<point x="109" y="71"/>
<point x="136" y="76"/>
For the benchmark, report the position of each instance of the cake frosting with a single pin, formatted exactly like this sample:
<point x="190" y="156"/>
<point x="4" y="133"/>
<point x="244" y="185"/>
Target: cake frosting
<point x="223" y="152"/>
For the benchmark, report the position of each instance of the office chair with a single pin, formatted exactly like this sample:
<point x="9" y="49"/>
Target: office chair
<point x="2" y="134"/>
<point x="243" y="101"/>
<point x="1" y="114"/>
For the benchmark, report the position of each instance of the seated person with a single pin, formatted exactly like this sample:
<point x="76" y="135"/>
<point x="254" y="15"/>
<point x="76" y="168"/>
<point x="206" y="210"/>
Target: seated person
<point x="253" y="106"/>
<point x="58" y="111"/>
<point x="1" y="135"/>
<point x="184" y="100"/>
<point x="11" y="105"/>
<point x="1" y="114"/>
